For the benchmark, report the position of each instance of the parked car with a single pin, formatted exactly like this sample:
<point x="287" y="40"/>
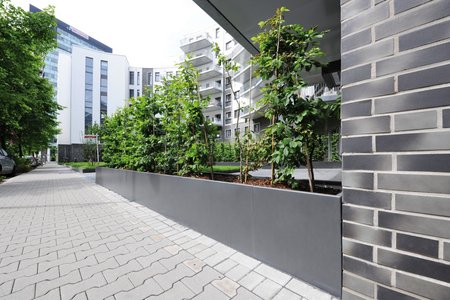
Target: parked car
<point x="7" y="164"/>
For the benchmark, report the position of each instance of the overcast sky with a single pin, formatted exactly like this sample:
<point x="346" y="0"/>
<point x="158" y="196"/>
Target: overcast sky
<point x="148" y="32"/>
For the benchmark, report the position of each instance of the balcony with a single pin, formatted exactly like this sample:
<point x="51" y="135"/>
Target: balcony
<point x="322" y="91"/>
<point x="256" y="112"/>
<point x="243" y="75"/>
<point x="217" y="122"/>
<point x="209" y="71"/>
<point x="213" y="105"/>
<point x="240" y="55"/>
<point x="195" y="42"/>
<point x="257" y="84"/>
<point x="210" y="88"/>
<point x="200" y="58"/>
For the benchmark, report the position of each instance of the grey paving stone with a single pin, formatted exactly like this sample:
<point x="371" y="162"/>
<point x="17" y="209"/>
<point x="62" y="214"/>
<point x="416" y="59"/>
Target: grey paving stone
<point x="6" y="287"/>
<point x="22" y="282"/>
<point x="226" y="286"/>
<point x="101" y="257"/>
<point x="52" y="295"/>
<point x="24" y="294"/>
<point x="69" y="267"/>
<point x="273" y="274"/>
<point x="120" y="285"/>
<point x="149" y="288"/>
<point x="166" y="280"/>
<point x="138" y="278"/>
<point x="197" y="282"/>
<point x="44" y="287"/>
<point x="286" y="294"/>
<point x="29" y="271"/>
<point x="88" y="271"/>
<point x="113" y="274"/>
<point x="251" y="280"/>
<point x="124" y="258"/>
<point x="46" y="265"/>
<point x="245" y="260"/>
<point x="267" y="289"/>
<point x="211" y="292"/>
<point x="146" y="261"/>
<point x="171" y="262"/>
<point x="225" y="266"/>
<point x="307" y="290"/>
<point x="70" y="290"/>
<point x="238" y="272"/>
<point x="178" y="291"/>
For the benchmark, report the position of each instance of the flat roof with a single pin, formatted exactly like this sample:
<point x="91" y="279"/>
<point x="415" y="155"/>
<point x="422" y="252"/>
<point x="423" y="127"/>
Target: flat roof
<point x="78" y="33"/>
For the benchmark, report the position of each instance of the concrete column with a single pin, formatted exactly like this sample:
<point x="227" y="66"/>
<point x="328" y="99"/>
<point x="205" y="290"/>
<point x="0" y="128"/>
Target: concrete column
<point x="396" y="149"/>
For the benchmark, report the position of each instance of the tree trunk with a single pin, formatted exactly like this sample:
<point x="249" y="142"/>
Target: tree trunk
<point x="272" y="178"/>
<point x="309" y="166"/>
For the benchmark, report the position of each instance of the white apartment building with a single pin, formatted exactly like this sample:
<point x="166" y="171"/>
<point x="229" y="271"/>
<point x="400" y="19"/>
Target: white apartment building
<point x="91" y="85"/>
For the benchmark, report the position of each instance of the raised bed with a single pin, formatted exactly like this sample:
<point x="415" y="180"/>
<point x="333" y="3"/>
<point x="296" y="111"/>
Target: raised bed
<point x="296" y="232"/>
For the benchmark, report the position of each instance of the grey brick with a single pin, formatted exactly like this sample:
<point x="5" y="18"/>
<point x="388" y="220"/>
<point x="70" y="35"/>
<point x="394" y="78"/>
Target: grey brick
<point x="356" y="109"/>
<point x="434" y="98"/>
<point x="29" y="271"/>
<point x="365" y="19"/>
<point x="446" y="118"/>
<point x="361" y="144"/>
<point x="414" y="265"/>
<point x="273" y="274"/>
<point x="413" y="142"/>
<point x="424" y="162"/>
<point x="414" y="183"/>
<point x="422" y="287"/>
<point x="306" y="290"/>
<point x="124" y="258"/>
<point x="88" y="271"/>
<point x="148" y="260"/>
<point x="401" y="5"/>
<point x="368" y="54"/>
<point x="439" y="206"/>
<point x="414" y="224"/>
<point x="367" y="162"/>
<point x="418" y="245"/>
<point x="171" y="262"/>
<point x="385" y="293"/>
<point x="428" y="35"/>
<point x="46" y="265"/>
<point x="25" y="294"/>
<point x="415" y="121"/>
<point x="22" y="282"/>
<point x="358" y="250"/>
<point x="414" y="59"/>
<point x="69" y="267"/>
<point x="358" y="284"/>
<point x="178" y="291"/>
<point x="238" y="272"/>
<point x="225" y="266"/>
<point x="357" y="214"/>
<point x="447" y="251"/>
<point x="350" y="295"/>
<point x="373" y="88"/>
<point x="414" y="18"/>
<point x="367" y="198"/>
<point x="424" y="78"/>
<point x="245" y="260"/>
<point x="367" y="270"/>
<point x="356" y="40"/>
<point x="357" y="180"/>
<point x="355" y="7"/>
<point x="367" y="234"/>
<point x="251" y="280"/>
<point x="282" y="295"/>
<point x="381" y="124"/>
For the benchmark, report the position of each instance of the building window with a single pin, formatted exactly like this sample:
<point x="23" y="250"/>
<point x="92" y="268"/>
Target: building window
<point x="246" y="129"/>
<point x="228" y="133"/>
<point x="256" y="128"/>
<point x="131" y="77"/>
<point x="88" y="95"/>
<point x="237" y="94"/>
<point x="237" y="131"/>
<point x="131" y="93"/>
<point x="217" y="33"/>
<point x="228" y="101"/>
<point x="236" y="111"/>
<point x="157" y="77"/>
<point x="228" y="82"/>
<point x="228" y="45"/>
<point x="169" y="74"/>
<point x="150" y="78"/>
<point x="103" y="90"/>
<point x="138" y="78"/>
<point x="138" y="93"/>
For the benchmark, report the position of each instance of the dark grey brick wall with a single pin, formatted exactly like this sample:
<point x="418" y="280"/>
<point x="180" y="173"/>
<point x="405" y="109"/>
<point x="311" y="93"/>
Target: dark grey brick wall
<point x="396" y="149"/>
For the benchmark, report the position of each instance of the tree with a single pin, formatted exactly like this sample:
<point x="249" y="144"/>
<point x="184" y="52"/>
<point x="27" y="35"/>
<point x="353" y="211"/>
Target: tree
<point x="27" y="108"/>
<point x="286" y="53"/>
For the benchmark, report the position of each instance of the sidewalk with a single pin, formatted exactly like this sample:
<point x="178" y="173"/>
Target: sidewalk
<point x="64" y="237"/>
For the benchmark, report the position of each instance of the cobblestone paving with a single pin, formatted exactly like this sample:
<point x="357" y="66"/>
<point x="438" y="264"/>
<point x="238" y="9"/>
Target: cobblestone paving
<point x="64" y="237"/>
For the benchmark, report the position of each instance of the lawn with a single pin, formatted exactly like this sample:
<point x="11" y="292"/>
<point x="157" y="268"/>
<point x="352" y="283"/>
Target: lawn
<point x="85" y="164"/>
<point x="225" y="169"/>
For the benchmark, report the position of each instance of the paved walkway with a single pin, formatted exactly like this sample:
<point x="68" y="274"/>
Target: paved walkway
<point x="64" y="237"/>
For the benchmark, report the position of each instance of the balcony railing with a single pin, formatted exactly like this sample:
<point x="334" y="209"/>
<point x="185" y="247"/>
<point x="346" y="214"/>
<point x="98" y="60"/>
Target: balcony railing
<point x="195" y="42"/>
<point x="209" y="88"/>
<point x="209" y="71"/>
<point x="199" y="58"/>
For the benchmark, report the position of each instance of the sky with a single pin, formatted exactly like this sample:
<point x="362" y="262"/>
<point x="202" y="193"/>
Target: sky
<point x="148" y="32"/>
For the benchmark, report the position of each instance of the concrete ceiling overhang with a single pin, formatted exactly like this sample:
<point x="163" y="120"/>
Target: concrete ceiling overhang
<point x="240" y="19"/>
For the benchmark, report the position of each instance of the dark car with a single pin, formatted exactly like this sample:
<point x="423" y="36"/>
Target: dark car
<point x="7" y="164"/>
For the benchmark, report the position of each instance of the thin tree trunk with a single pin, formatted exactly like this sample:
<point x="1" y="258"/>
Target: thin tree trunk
<point x="309" y="166"/>
<point x="272" y="178"/>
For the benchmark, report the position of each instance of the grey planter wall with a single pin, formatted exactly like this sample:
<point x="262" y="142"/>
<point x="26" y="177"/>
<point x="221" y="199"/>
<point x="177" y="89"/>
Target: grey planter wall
<point x="299" y="233"/>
